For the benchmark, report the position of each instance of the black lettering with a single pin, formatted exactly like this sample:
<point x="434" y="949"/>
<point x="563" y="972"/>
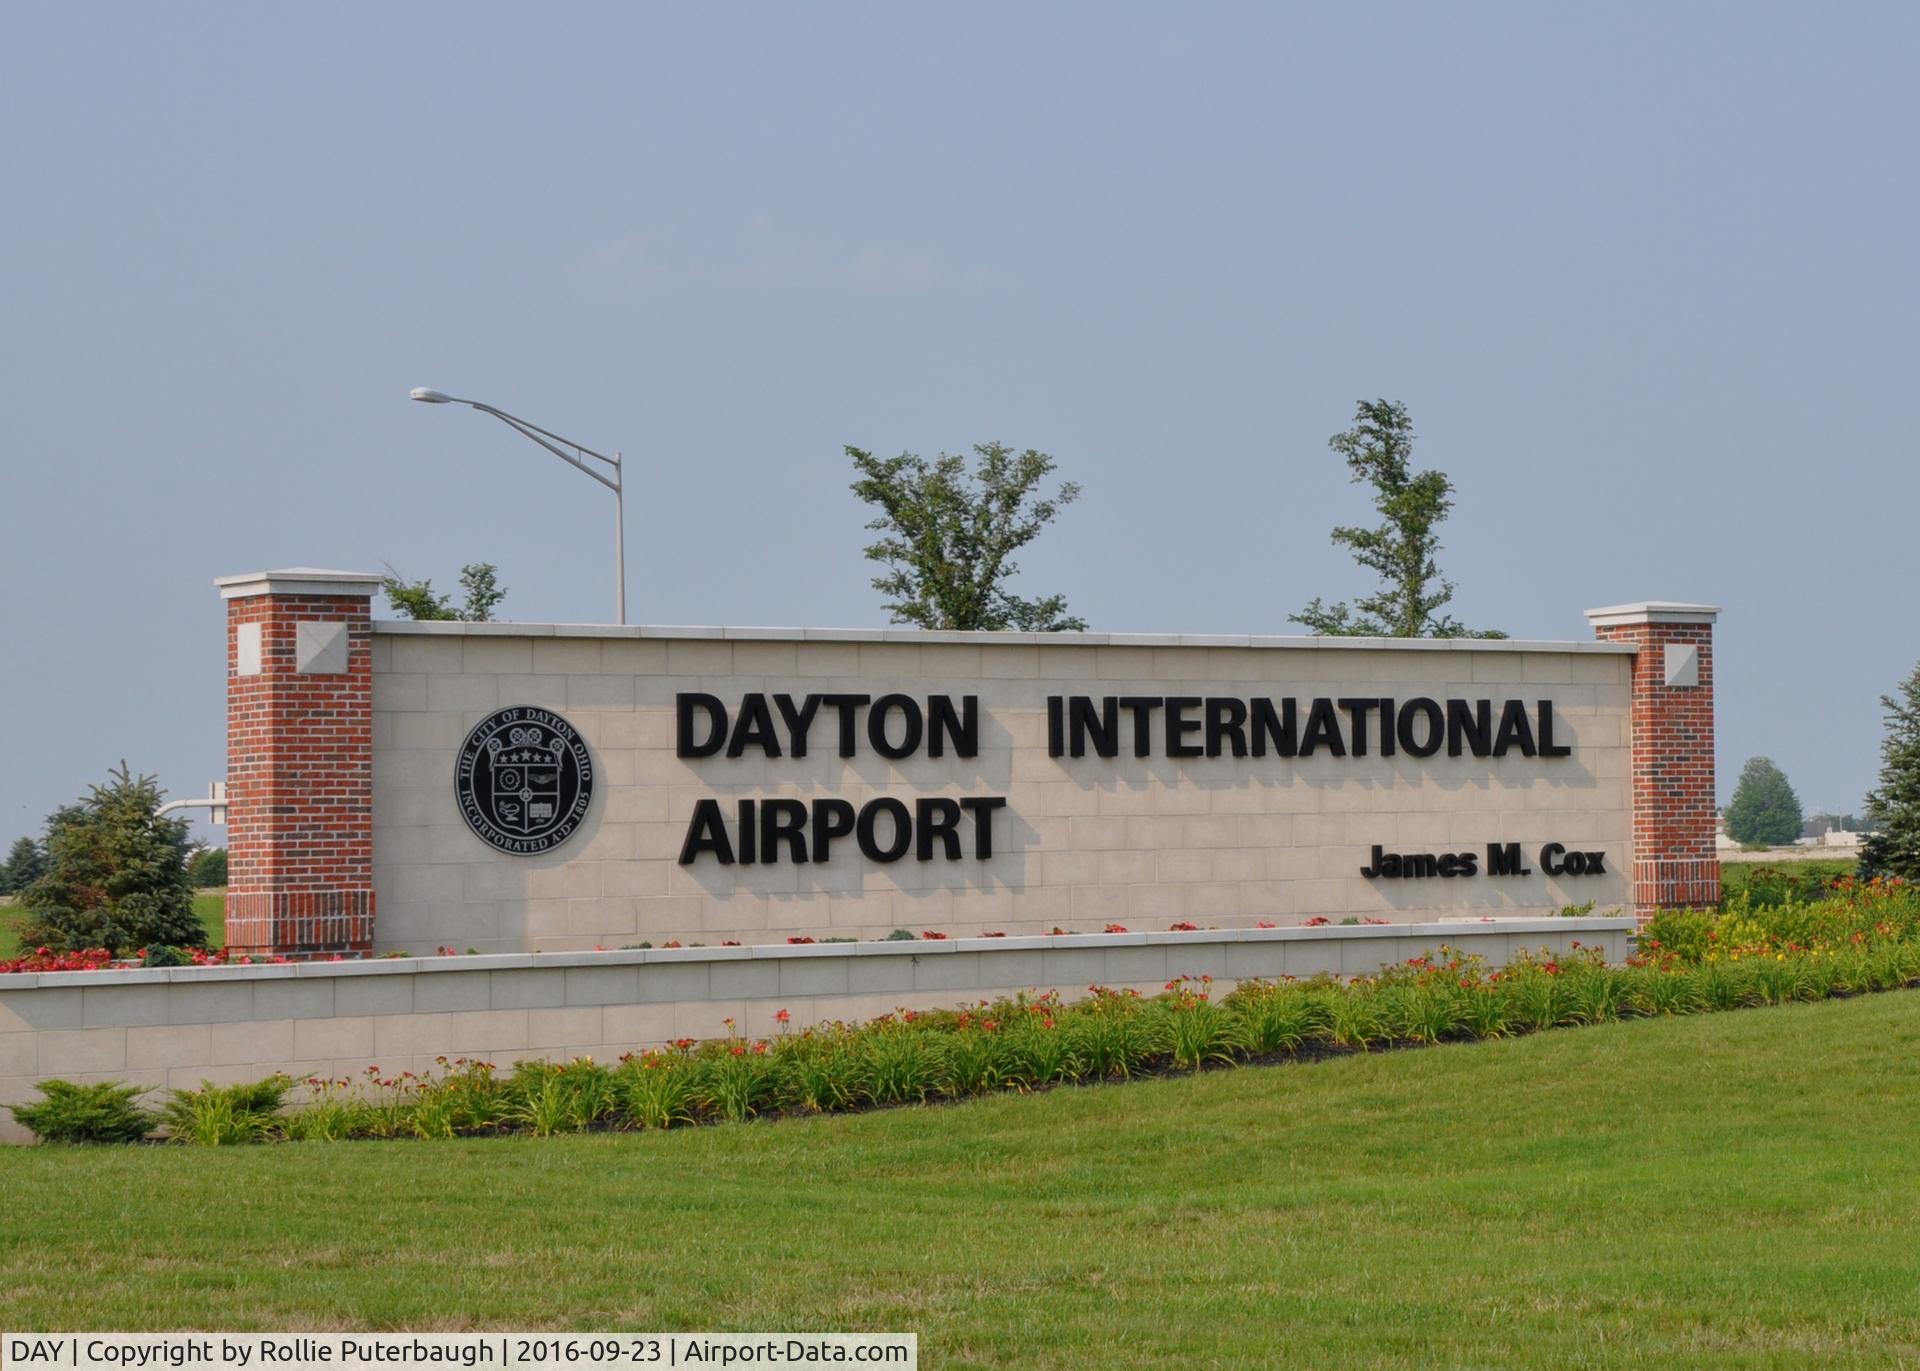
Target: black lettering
<point x="684" y="706"/>
<point x="1056" y="732"/>
<point x="1449" y="864"/>
<point x="1503" y="859"/>
<point x="982" y="807"/>
<point x="1103" y="728"/>
<point x="845" y="704"/>
<point x="1410" y="741"/>
<point x="1386" y="728"/>
<point x="707" y="833"/>
<point x="909" y="709"/>
<point x="1514" y="728"/>
<point x="1470" y="721"/>
<point x="753" y="726"/>
<point x="1281" y="731"/>
<point x="943" y="724"/>
<point x="1323" y="728"/>
<point x="1596" y="863"/>
<point x="1420" y="864"/>
<point x="1549" y="858"/>
<point x="1548" y="748"/>
<point x="1357" y="711"/>
<point x="798" y="721"/>
<point x="864" y="833"/>
<point x="1226" y="725"/>
<point x="1372" y="868"/>
<point x="783" y="820"/>
<point x="1179" y="725"/>
<point x="747" y="845"/>
<point x="936" y="818"/>
<point x="831" y="819"/>
<point x="1141" y="707"/>
<point x="1469" y="863"/>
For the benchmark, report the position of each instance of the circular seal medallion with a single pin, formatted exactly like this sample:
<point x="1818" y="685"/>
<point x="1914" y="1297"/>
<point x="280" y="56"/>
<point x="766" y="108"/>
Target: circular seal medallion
<point x="524" y="780"/>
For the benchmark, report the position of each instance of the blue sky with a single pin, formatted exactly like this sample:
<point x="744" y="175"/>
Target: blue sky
<point x="1644" y="275"/>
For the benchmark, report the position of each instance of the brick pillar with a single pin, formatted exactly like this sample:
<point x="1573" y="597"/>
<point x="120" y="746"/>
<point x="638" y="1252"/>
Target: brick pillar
<point x="299" y="762"/>
<point x="1675" y="862"/>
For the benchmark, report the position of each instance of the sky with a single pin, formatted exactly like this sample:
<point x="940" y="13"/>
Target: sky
<point x="1644" y="275"/>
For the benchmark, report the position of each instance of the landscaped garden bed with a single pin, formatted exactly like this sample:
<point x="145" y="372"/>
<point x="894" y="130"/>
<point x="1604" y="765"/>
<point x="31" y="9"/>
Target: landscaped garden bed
<point x="1863" y="938"/>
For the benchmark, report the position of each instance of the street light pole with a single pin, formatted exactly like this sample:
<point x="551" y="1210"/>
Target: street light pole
<point x="616" y="484"/>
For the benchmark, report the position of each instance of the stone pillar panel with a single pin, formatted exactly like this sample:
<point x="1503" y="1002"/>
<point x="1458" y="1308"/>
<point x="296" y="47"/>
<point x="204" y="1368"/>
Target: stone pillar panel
<point x="300" y="762"/>
<point x="1675" y="863"/>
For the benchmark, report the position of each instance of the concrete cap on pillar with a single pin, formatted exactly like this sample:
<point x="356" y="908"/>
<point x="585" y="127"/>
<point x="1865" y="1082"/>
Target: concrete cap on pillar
<point x="1652" y="612"/>
<point x="299" y="580"/>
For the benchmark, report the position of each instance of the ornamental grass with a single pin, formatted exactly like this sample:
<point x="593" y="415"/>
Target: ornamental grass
<point x="1862" y="938"/>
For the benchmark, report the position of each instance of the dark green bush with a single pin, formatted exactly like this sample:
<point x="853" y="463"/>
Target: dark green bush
<point x="218" y="1115"/>
<point x="209" y="868"/>
<point x="100" y="1112"/>
<point x="116" y="874"/>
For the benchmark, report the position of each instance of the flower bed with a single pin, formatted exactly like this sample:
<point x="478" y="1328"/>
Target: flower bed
<point x="1865" y="938"/>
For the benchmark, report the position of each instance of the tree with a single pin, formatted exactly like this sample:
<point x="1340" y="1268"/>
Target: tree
<point x="116" y="874"/>
<point x="949" y="536"/>
<point x="1765" y="811"/>
<point x="1379" y="452"/>
<point x="416" y="600"/>
<point x="208" y="868"/>
<point x="24" y="865"/>
<point x="1893" y="808"/>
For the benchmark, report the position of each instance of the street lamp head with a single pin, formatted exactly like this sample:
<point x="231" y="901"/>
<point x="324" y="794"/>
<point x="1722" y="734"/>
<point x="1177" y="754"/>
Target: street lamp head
<point x="430" y="397"/>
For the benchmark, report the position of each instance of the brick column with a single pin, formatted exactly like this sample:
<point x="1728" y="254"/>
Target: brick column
<point x="299" y="761"/>
<point x="1675" y="862"/>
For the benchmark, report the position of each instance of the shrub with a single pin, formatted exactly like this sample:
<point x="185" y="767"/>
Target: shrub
<point x="656" y="1090"/>
<point x="1109" y="1035"/>
<point x="99" y="1112"/>
<point x="1199" y="1032"/>
<point x="209" y="868"/>
<point x="116" y="874"/>
<point x="222" y="1115"/>
<point x="1274" y="1018"/>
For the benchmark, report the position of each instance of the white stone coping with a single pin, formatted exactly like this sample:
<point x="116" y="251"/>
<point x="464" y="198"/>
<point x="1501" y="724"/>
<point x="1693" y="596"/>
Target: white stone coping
<point x="299" y="580"/>
<point x="1652" y="612"/>
<point x="899" y="947"/>
<point x="716" y="633"/>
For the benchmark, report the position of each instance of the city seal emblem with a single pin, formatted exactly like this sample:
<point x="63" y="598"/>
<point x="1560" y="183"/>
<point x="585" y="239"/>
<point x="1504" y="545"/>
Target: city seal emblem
<point x="524" y="780"/>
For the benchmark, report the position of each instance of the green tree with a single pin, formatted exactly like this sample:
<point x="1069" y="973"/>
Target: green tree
<point x="949" y="535"/>
<point x="116" y="874"/>
<point x="416" y="599"/>
<point x="1893" y="809"/>
<point x="1765" y="811"/>
<point x="25" y="863"/>
<point x="208" y="868"/>
<point x="1379" y="452"/>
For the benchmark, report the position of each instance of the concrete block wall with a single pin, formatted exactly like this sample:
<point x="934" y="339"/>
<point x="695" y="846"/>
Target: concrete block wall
<point x="178" y="1026"/>
<point x="1142" y="842"/>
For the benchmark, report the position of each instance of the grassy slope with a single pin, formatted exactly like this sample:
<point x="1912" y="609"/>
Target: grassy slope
<point x="1736" y="1190"/>
<point x="210" y="905"/>
<point x="1737" y="876"/>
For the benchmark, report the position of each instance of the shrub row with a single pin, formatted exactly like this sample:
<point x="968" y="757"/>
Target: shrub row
<point x="1862" y="940"/>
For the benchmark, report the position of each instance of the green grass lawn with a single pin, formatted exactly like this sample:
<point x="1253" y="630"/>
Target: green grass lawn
<point x="210" y="905"/>
<point x="1734" y="1190"/>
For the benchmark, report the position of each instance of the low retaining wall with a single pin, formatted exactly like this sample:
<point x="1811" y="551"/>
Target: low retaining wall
<point x="176" y="1026"/>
